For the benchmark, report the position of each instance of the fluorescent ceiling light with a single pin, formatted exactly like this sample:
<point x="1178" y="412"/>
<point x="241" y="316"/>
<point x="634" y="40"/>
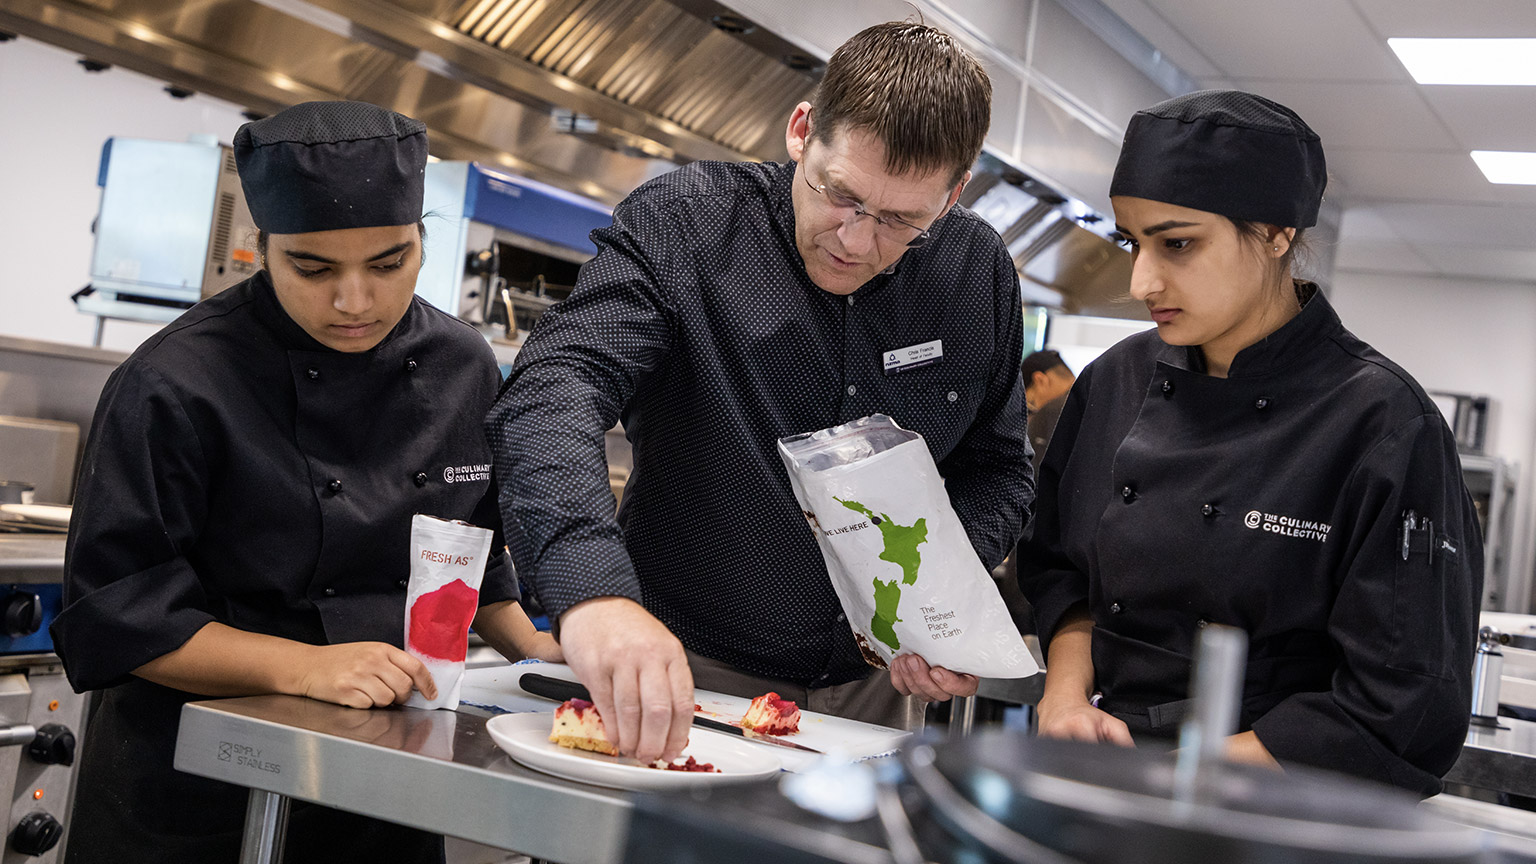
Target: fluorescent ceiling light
<point x="1468" y="61"/>
<point x="1506" y="166"/>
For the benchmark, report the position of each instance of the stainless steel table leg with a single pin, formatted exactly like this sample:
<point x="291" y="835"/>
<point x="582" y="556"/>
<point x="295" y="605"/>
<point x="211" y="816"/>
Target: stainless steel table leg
<point x="962" y="713"/>
<point x="266" y="824"/>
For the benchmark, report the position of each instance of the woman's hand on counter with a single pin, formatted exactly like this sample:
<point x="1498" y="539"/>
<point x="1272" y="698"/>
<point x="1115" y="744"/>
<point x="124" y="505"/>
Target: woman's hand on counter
<point x="1246" y="747"/>
<point x="505" y="627"/>
<point x="912" y="676"/>
<point x="363" y="675"/>
<point x="637" y="673"/>
<point x="220" y="660"/>
<point x="1077" y="720"/>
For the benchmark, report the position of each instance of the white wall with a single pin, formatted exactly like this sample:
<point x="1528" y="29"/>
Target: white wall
<point x="1463" y="336"/>
<point x="55" y="118"/>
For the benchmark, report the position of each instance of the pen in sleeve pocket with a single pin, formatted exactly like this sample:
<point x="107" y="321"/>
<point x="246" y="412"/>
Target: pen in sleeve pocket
<point x="1410" y="522"/>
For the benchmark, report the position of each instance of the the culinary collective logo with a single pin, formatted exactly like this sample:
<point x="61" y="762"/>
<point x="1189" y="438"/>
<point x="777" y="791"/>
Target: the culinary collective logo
<point x="1288" y="526"/>
<point x="466" y="473"/>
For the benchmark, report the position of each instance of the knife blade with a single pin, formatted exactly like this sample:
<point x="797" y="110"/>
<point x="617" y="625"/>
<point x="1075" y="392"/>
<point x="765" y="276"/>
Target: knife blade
<point x="561" y="690"/>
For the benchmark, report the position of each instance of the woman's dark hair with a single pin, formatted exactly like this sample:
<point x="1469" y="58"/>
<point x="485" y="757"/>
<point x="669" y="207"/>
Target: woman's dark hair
<point x="261" y="243"/>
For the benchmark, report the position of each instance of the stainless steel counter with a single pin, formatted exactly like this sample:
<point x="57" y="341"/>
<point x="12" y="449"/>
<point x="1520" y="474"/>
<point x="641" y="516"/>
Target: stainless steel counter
<point x="31" y="558"/>
<point x="1502" y="759"/>
<point x="435" y="770"/>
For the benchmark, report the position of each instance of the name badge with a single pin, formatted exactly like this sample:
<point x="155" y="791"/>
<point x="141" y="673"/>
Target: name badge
<point x="914" y="357"/>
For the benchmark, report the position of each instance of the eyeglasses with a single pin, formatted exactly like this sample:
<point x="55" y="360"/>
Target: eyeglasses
<point x="889" y="227"/>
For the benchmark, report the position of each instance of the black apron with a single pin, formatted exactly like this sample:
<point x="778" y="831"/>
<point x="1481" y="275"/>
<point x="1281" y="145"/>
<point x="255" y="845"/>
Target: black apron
<point x="240" y="472"/>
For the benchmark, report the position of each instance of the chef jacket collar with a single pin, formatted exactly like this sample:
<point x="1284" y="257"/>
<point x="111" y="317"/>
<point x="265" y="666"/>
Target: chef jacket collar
<point x="1279" y="350"/>
<point x="290" y="335"/>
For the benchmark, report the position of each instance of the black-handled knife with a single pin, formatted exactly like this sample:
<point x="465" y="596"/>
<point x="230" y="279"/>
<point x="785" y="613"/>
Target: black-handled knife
<point x="561" y="690"/>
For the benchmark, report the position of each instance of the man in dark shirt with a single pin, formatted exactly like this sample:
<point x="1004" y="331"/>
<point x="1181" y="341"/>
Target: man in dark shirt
<point x="1047" y="381"/>
<point x="730" y="305"/>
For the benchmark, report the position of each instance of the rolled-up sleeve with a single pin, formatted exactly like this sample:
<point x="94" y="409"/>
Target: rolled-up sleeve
<point x="574" y="375"/>
<point x="1404" y="626"/>
<point x="989" y="474"/>
<point x="130" y="594"/>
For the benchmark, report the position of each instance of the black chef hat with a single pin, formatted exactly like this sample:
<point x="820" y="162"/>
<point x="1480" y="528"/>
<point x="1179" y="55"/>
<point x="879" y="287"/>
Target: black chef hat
<point x="1225" y="152"/>
<point x="321" y="166"/>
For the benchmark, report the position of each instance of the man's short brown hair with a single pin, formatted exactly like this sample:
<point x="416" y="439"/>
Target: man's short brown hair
<point x="913" y="87"/>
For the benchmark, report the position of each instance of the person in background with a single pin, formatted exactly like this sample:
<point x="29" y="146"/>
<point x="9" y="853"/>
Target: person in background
<point x="243" y="518"/>
<point x="1251" y="463"/>
<point x="1047" y="380"/>
<point x="730" y="305"/>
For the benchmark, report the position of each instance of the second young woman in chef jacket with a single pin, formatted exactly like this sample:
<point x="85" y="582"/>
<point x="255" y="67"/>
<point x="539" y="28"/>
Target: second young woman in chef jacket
<point x="244" y="513"/>
<point x="1251" y="463"/>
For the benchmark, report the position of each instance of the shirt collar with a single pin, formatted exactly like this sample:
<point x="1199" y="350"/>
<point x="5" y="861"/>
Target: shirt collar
<point x="1281" y="349"/>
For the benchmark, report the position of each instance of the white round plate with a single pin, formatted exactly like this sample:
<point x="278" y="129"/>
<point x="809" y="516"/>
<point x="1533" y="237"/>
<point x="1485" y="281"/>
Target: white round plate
<point x="525" y="737"/>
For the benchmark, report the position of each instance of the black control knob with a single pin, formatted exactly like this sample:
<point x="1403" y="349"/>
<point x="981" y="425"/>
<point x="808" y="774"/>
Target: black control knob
<point x="53" y="745"/>
<point x="23" y="614"/>
<point x="36" y="833"/>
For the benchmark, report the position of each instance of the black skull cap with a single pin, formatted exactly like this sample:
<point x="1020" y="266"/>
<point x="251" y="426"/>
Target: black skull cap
<point x="1225" y="152"/>
<point x="322" y="166"/>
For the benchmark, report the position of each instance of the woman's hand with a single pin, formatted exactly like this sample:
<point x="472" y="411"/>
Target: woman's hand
<point x="1077" y="720"/>
<point x="539" y="645"/>
<point x="363" y="675"/>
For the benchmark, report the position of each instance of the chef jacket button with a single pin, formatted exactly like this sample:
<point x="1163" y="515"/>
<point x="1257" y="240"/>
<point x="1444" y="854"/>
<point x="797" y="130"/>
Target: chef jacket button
<point x="410" y="364"/>
<point x="850" y="299"/>
<point x="334" y="486"/>
<point x="1208" y="510"/>
<point x="329" y="592"/>
<point x="421" y="478"/>
<point x="852" y="389"/>
<point x="1115" y="608"/>
<point x="1128" y="494"/>
<point x="1261" y="404"/>
<point x="313" y="373"/>
<point x="1167" y="388"/>
<point x="842" y="618"/>
<point x="401" y="584"/>
<point x="952" y="396"/>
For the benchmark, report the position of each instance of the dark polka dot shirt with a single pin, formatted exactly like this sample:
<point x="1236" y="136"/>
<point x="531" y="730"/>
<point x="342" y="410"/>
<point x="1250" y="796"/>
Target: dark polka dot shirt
<point x="697" y="326"/>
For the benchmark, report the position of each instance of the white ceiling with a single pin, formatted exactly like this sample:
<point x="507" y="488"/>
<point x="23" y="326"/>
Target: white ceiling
<point x="1397" y="151"/>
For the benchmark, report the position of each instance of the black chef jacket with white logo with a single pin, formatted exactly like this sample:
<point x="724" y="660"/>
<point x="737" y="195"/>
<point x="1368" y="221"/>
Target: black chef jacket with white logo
<point x="698" y="324"/>
<point x="239" y="471"/>
<point x="1273" y="500"/>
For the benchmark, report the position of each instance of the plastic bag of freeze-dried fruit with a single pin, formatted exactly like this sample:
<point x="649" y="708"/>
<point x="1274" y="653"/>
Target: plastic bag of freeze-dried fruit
<point x="447" y="565"/>
<point x="899" y="559"/>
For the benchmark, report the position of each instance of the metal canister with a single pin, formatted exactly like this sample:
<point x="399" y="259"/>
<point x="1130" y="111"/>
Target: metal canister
<point x="1487" y="670"/>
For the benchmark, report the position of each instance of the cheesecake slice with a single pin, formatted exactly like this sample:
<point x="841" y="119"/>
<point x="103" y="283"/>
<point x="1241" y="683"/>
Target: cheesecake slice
<point x="578" y="726"/>
<point x="770" y="715"/>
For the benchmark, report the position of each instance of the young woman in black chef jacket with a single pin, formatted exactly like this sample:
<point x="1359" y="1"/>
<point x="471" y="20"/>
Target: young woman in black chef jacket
<point x="1251" y="463"/>
<point x="242" y="524"/>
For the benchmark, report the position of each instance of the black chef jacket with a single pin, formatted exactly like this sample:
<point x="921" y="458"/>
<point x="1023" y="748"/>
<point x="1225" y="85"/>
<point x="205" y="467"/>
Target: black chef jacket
<point x="697" y="324"/>
<point x="1273" y="500"/>
<point x="239" y="471"/>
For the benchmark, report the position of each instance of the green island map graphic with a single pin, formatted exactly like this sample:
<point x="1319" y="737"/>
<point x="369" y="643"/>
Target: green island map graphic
<point x="901" y="542"/>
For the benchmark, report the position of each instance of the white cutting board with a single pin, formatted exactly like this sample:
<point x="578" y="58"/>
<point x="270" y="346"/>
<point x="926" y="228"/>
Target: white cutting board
<point x="496" y="687"/>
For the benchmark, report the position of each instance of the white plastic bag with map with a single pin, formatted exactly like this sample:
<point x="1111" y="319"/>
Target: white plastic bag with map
<point x="900" y="561"/>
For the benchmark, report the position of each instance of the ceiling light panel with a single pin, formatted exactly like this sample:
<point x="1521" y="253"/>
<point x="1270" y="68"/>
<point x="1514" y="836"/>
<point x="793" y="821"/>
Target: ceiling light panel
<point x="1468" y="61"/>
<point x="1506" y="166"/>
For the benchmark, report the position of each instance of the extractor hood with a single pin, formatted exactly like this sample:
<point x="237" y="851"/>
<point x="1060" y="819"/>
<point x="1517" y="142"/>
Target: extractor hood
<point x="1061" y="248"/>
<point x="595" y="96"/>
